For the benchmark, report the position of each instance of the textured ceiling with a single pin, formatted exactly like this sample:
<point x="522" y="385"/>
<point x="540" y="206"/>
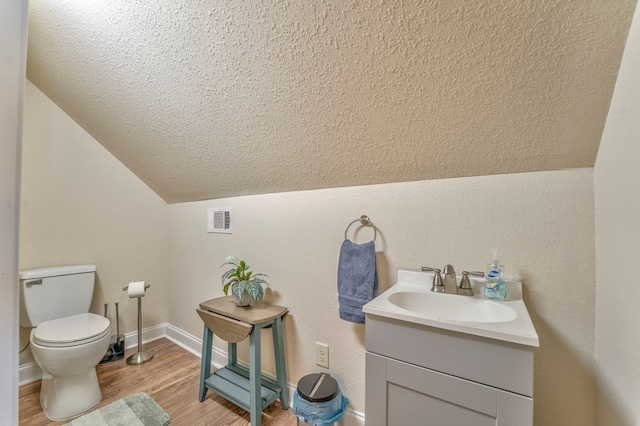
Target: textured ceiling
<point x="209" y="99"/>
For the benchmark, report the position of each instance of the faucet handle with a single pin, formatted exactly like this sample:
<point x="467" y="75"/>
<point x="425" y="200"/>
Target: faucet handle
<point x="437" y="286"/>
<point x="465" y="284"/>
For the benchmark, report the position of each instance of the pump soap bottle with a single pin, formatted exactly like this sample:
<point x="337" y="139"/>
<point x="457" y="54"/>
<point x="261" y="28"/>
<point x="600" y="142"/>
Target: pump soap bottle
<point x="495" y="288"/>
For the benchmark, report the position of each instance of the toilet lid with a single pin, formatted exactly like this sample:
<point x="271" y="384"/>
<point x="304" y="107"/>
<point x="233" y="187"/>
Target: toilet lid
<point x="71" y="331"/>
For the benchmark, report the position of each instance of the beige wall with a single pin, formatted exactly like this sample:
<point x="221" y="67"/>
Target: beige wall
<point x="543" y="223"/>
<point x="617" y="178"/>
<point x="81" y="205"/>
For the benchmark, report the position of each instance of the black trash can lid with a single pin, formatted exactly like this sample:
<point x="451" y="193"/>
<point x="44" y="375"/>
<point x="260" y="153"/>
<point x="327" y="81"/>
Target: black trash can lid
<point x="319" y="387"/>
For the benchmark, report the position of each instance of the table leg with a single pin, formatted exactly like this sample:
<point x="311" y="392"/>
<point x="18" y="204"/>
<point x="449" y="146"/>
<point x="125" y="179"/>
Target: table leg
<point x="232" y="353"/>
<point x="255" y="376"/>
<point x="281" y="372"/>
<point x="205" y="367"/>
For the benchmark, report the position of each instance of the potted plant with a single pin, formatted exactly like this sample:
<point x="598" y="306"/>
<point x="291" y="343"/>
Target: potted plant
<point x="245" y="285"/>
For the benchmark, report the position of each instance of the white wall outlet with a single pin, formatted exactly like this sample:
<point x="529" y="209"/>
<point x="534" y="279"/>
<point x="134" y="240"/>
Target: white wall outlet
<point x="322" y="354"/>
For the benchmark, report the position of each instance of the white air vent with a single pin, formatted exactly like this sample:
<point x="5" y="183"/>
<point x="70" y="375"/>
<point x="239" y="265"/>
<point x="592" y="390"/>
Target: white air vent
<point x="219" y="220"/>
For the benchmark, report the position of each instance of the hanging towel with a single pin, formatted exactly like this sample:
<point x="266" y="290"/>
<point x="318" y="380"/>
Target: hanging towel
<point x="357" y="279"/>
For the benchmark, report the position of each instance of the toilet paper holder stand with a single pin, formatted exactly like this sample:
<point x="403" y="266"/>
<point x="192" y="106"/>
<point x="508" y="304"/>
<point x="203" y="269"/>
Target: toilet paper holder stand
<point x="141" y="356"/>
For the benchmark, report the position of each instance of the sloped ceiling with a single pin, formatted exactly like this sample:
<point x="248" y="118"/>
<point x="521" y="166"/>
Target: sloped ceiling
<point x="210" y="99"/>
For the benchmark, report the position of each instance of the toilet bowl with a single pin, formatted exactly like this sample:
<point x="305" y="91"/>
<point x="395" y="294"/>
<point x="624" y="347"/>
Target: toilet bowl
<point x="67" y="341"/>
<point x="68" y="350"/>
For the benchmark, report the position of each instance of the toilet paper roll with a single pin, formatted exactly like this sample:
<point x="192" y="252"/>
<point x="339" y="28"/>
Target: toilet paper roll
<point x="136" y="289"/>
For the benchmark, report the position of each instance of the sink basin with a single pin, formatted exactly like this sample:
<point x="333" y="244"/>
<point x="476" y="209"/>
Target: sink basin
<point x="452" y="307"/>
<point x="411" y="300"/>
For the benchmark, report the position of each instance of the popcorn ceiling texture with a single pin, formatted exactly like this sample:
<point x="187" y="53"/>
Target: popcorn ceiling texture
<point x="204" y="99"/>
<point x="212" y="99"/>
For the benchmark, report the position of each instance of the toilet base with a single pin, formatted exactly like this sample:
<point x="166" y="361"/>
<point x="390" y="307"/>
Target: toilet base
<point x="65" y="397"/>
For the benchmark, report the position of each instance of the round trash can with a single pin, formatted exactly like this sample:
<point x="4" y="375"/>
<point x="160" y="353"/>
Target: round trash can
<point x="318" y="400"/>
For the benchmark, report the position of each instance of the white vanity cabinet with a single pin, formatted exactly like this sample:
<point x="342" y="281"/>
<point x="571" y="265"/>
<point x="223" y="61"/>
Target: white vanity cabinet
<point x="437" y="359"/>
<point x="418" y="375"/>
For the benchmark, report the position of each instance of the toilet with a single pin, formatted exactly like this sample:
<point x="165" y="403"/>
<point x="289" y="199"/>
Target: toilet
<point x="66" y="340"/>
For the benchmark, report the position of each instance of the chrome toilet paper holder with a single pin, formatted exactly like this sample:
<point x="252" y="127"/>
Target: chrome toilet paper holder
<point x="141" y="356"/>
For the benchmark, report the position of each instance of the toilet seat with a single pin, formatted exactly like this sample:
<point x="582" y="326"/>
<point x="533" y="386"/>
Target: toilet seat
<point x="71" y="331"/>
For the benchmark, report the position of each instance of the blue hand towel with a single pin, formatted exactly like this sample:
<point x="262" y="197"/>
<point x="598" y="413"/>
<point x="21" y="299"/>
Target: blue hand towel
<point x="357" y="279"/>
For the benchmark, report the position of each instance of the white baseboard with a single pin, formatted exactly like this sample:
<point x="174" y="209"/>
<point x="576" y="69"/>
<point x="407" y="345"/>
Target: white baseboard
<point x="31" y="372"/>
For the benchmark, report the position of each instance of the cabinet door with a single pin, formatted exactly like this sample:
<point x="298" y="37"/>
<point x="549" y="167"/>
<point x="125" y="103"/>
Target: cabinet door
<point x="402" y="394"/>
<point x="514" y="409"/>
<point x="420" y="397"/>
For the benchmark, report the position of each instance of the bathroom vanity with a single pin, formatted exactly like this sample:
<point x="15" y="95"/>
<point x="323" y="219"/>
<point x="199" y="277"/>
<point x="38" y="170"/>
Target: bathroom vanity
<point x="444" y="359"/>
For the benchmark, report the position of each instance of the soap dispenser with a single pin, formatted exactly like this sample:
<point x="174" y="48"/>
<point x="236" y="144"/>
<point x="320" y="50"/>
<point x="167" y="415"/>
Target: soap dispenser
<point x="495" y="288"/>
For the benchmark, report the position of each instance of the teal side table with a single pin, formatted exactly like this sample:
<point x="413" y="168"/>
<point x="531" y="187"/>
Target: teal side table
<point x="245" y="387"/>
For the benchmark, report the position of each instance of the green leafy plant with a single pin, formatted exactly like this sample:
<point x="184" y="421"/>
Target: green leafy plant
<point x="241" y="279"/>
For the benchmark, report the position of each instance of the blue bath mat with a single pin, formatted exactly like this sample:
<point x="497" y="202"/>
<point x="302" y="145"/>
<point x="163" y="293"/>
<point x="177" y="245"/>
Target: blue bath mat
<point x="135" y="410"/>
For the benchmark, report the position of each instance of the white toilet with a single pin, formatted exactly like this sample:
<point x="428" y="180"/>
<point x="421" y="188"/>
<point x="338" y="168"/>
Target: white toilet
<point x="67" y="341"/>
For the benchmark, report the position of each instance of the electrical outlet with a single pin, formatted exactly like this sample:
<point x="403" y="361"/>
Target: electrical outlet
<point x="322" y="354"/>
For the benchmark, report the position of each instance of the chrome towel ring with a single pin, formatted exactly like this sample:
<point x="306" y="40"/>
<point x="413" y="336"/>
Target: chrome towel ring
<point x="365" y="221"/>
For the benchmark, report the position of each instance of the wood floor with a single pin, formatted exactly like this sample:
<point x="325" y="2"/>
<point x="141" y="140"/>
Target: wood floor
<point x="172" y="380"/>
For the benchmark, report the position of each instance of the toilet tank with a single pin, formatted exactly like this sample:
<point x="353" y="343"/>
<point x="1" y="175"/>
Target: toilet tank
<point x="56" y="292"/>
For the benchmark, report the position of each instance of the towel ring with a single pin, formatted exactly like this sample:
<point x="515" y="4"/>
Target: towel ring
<point x="365" y="221"/>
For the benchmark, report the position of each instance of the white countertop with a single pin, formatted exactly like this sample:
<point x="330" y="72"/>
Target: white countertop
<point x="519" y="330"/>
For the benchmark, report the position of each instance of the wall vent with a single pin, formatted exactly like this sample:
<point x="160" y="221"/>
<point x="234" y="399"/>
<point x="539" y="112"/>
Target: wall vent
<point x="219" y="220"/>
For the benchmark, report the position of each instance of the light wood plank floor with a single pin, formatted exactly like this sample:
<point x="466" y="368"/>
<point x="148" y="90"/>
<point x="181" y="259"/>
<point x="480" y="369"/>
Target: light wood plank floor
<point x="172" y="379"/>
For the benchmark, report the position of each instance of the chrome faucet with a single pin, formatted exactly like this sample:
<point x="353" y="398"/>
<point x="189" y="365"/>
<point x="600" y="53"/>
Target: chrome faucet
<point x="450" y="283"/>
<point x="450" y="280"/>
